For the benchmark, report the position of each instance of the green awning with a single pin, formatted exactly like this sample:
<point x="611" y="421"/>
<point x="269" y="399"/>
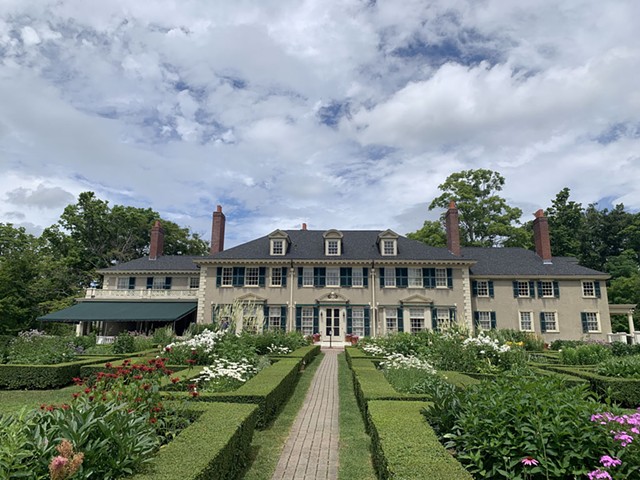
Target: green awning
<point x="122" y="312"/>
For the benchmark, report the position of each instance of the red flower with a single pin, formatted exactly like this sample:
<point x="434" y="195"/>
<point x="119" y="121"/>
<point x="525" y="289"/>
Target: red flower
<point x="78" y="381"/>
<point x="175" y="380"/>
<point x="194" y="394"/>
<point x="108" y="365"/>
<point x="137" y="377"/>
<point x="146" y="386"/>
<point x="167" y="349"/>
<point x="153" y="420"/>
<point x="76" y="395"/>
<point x="87" y="390"/>
<point x="191" y="361"/>
<point x="64" y="406"/>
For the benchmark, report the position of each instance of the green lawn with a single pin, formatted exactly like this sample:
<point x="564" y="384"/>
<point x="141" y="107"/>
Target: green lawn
<point x="268" y="444"/>
<point x="12" y="401"/>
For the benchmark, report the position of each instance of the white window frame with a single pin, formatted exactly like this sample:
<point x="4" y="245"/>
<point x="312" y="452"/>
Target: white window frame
<point x="388" y="247"/>
<point x="482" y="288"/>
<point x="389" y="280"/>
<point x="226" y="279"/>
<point x="357" y="277"/>
<point x="554" y="314"/>
<point x="307" y="276"/>
<point x="547" y="285"/>
<point x="417" y="320"/>
<point x="415" y="277"/>
<point x="484" y="320"/>
<point x="250" y="312"/>
<point x="357" y="321"/>
<point x="307" y="321"/>
<point x="442" y="280"/>
<point x="275" y="279"/>
<point x="443" y="318"/>
<point x="391" y="319"/>
<point x="332" y="278"/>
<point x="523" y="285"/>
<point x="122" y="283"/>
<point x="251" y="276"/>
<point x="521" y="321"/>
<point x="278" y="247"/>
<point x="275" y="318"/>
<point x="194" y="283"/>
<point x="332" y="247"/>
<point x="596" y="316"/>
<point x="589" y="289"/>
<point x="158" y="283"/>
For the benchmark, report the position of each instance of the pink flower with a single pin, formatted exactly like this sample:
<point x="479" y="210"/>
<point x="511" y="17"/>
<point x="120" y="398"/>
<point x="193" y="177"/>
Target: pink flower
<point x="599" y="474"/>
<point x="624" y="438"/>
<point x="608" y="461"/>
<point x="59" y="462"/>
<point x="529" y="461"/>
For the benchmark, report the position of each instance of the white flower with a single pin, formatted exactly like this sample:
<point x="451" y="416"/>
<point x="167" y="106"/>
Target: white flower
<point x="399" y="361"/>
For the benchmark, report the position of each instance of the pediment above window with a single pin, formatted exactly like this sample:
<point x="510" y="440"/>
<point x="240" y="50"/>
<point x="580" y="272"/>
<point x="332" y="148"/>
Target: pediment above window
<point x="332" y="242"/>
<point x="278" y="243"/>
<point x="251" y="298"/>
<point x="416" y="300"/>
<point x="333" y="297"/>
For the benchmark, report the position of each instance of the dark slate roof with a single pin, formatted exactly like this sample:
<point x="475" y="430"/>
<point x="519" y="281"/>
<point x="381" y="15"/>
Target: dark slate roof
<point x="163" y="262"/>
<point x="519" y="262"/>
<point x="356" y="245"/>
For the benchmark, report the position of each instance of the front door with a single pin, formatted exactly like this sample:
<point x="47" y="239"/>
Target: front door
<point x="332" y="322"/>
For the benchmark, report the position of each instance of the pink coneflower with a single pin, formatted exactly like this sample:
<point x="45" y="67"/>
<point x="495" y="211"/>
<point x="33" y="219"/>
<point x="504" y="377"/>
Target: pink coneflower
<point x="529" y="461"/>
<point x="599" y="475"/>
<point x="608" y="461"/>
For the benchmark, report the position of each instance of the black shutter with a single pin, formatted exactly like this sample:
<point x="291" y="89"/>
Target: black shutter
<point x="493" y="321"/>
<point x="515" y="289"/>
<point x="434" y="319"/>
<point x="476" y="320"/>
<point x="540" y="289"/>
<point x="345" y="276"/>
<point x="556" y="289"/>
<point x="381" y="277"/>
<point x="238" y="276"/>
<point x="365" y="277"/>
<point x="316" y="320"/>
<point x="402" y="277"/>
<point x="132" y="283"/>
<point x="543" y="324"/>
<point x="349" y="321"/>
<point x="585" y="324"/>
<point x="491" y="291"/>
<point x="367" y="322"/>
<point x="429" y="277"/>
<point x="400" y="319"/>
<point x="452" y="315"/>
<point x="596" y="286"/>
<point x="449" y="278"/>
<point x="265" y="317"/>
<point x="284" y="276"/>
<point x="283" y="318"/>
<point x="298" y="319"/>
<point x="532" y="288"/>
<point x="474" y="288"/>
<point x="218" y="276"/>
<point x="167" y="283"/>
<point x="300" y="274"/>
<point x="149" y="282"/>
<point x="319" y="276"/>
<point x="262" y="273"/>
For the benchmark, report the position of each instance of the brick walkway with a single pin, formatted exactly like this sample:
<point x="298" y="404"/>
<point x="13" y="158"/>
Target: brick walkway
<point x="311" y="451"/>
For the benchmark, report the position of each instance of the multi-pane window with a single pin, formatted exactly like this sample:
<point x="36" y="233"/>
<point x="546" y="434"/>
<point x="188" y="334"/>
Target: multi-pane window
<point x="357" y="321"/>
<point x="416" y="319"/>
<point x="526" y="321"/>
<point x="482" y="288"/>
<point x="250" y="318"/>
<point x="441" y="278"/>
<point x="523" y="289"/>
<point x="122" y="283"/>
<point x="333" y="277"/>
<point x="357" y="277"/>
<point x="227" y="277"/>
<point x="276" y="276"/>
<point x="390" y="277"/>
<point x="307" y="277"/>
<point x="307" y="320"/>
<point x="275" y="321"/>
<point x="443" y="318"/>
<point x="194" y="282"/>
<point x="388" y="247"/>
<point x="591" y="320"/>
<point x="550" y="320"/>
<point x="415" y="277"/>
<point x="391" y="317"/>
<point x="588" y="289"/>
<point x="484" y="320"/>
<point x="277" y="247"/>
<point x="158" y="283"/>
<point x="251" y="276"/>
<point x="547" y="288"/>
<point x="333" y="247"/>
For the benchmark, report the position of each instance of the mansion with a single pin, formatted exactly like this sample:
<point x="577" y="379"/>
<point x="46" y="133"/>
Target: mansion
<point x="352" y="282"/>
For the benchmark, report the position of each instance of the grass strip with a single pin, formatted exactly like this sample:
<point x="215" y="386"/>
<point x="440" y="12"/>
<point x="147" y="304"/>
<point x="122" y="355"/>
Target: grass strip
<point x="12" y="401"/>
<point x="355" y="445"/>
<point x="267" y="444"/>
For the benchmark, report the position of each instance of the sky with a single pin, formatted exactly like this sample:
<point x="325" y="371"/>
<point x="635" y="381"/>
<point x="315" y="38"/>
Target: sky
<point x="338" y="113"/>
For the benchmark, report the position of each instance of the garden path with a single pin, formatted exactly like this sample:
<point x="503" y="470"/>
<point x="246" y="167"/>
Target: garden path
<point x="311" y="451"/>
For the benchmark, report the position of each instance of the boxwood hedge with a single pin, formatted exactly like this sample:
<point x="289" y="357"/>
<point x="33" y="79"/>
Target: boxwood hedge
<point x="216" y="445"/>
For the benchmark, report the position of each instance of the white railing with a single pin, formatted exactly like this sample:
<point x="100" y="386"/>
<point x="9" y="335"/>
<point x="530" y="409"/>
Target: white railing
<point x="140" y="293"/>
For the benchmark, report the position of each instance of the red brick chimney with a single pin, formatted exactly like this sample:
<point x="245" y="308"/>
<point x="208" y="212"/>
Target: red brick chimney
<point x="217" y="231"/>
<point x="453" y="228"/>
<point x="541" y="236"/>
<point x="304" y="226"/>
<point x="157" y="241"/>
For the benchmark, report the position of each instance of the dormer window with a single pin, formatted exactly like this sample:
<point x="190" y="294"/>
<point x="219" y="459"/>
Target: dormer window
<point x="332" y="243"/>
<point x="388" y="247"/>
<point x="388" y="243"/>
<point x="278" y="243"/>
<point x="277" y="247"/>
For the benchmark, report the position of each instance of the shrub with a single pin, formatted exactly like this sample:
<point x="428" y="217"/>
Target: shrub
<point x="531" y="342"/>
<point x="562" y="344"/>
<point x="620" y="349"/>
<point x="163" y="336"/>
<point x="627" y="367"/>
<point x="84" y="342"/>
<point x="124" y="343"/>
<point x="31" y="348"/>
<point x="588" y="354"/>
<point x="517" y="426"/>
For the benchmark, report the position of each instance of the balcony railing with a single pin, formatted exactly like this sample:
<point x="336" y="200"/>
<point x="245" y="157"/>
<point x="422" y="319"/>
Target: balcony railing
<point x="141" y="293"/>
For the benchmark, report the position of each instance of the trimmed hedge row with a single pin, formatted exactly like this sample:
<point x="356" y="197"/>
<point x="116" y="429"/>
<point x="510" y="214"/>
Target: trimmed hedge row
<point x="269" y="389"/>
<point x="216" y="445"/>
<point x="307" y="353"/>
<point x="625" y="391"/>
<point x="406" y="447"/>
<point x="351" y="353"/>
<point x="40" y="377"/>
<point x="458" y="379"/>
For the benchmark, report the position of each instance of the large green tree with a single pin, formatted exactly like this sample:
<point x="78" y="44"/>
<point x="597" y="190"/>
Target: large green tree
<point x="486" y="219"/>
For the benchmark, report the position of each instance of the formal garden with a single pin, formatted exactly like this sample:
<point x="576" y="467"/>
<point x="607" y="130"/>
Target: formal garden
<point x="440" y="405"/>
